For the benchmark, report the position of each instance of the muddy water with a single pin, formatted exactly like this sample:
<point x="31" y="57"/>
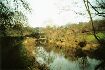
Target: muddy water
<point x="59" y="62"/>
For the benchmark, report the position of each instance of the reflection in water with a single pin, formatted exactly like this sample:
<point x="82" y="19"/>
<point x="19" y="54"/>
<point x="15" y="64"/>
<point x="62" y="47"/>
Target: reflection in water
<point x="59" y="62"/>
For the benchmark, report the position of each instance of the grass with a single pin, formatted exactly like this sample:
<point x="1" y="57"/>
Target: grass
<point x="101" y="35"/>
<point x="90" y="38"/>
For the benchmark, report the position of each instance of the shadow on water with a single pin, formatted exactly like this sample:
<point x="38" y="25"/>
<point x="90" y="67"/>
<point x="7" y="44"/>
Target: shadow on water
<point x="57" y="61"/>
<point x="13" y="55"/>
<point x="99" y="54"/>
<point x="9" y="48"/>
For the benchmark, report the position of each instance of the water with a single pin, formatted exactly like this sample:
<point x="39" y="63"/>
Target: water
<point x="59" y="62"/>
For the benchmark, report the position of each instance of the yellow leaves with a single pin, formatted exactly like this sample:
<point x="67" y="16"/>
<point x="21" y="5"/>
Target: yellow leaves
<point x="90" y="47"/>
<point x="59" y="43"/>
<point x="51" y="41"/>
<point x="29" y="44"/>
<point x="68" y="39"/>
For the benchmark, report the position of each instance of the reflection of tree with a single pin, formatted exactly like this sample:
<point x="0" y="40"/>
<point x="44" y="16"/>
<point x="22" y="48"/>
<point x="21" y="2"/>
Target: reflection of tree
<point x="101" y="66"/>
<point x="83" y="63"/>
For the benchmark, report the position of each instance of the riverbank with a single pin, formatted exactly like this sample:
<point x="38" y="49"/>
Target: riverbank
<point x="76" y="40"/>
<point x="17" y="54"/>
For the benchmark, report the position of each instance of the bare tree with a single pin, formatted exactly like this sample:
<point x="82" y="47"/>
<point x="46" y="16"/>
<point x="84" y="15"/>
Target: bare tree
<point x="99" y="8"/>
<point x="86" y="3"/>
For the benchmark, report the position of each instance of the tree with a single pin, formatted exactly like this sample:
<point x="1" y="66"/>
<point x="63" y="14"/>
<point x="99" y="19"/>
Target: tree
<point x="87" y="3"/>
<point x="99" y="7"/>
<point x="10" y="16"/>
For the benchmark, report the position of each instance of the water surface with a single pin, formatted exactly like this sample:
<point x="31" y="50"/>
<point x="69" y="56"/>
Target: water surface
<point x="57" y="61"/>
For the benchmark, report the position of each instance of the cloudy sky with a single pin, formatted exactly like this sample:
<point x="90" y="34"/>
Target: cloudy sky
<point x="56" y="12"/>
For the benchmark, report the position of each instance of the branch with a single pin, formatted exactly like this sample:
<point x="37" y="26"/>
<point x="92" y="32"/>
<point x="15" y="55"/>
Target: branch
<point x="93" y="28"/>
<point x="102" y="4"/>
<point x="98" y="13"/>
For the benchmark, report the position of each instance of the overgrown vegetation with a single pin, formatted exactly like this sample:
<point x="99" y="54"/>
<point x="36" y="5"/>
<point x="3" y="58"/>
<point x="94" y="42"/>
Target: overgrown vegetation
<point x="75" y="40"/>
<point x="18" y="41"/>
<point x="17" y="53"/>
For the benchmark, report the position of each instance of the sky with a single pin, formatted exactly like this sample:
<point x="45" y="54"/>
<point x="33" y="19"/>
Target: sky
<point x="56" y="12"/>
